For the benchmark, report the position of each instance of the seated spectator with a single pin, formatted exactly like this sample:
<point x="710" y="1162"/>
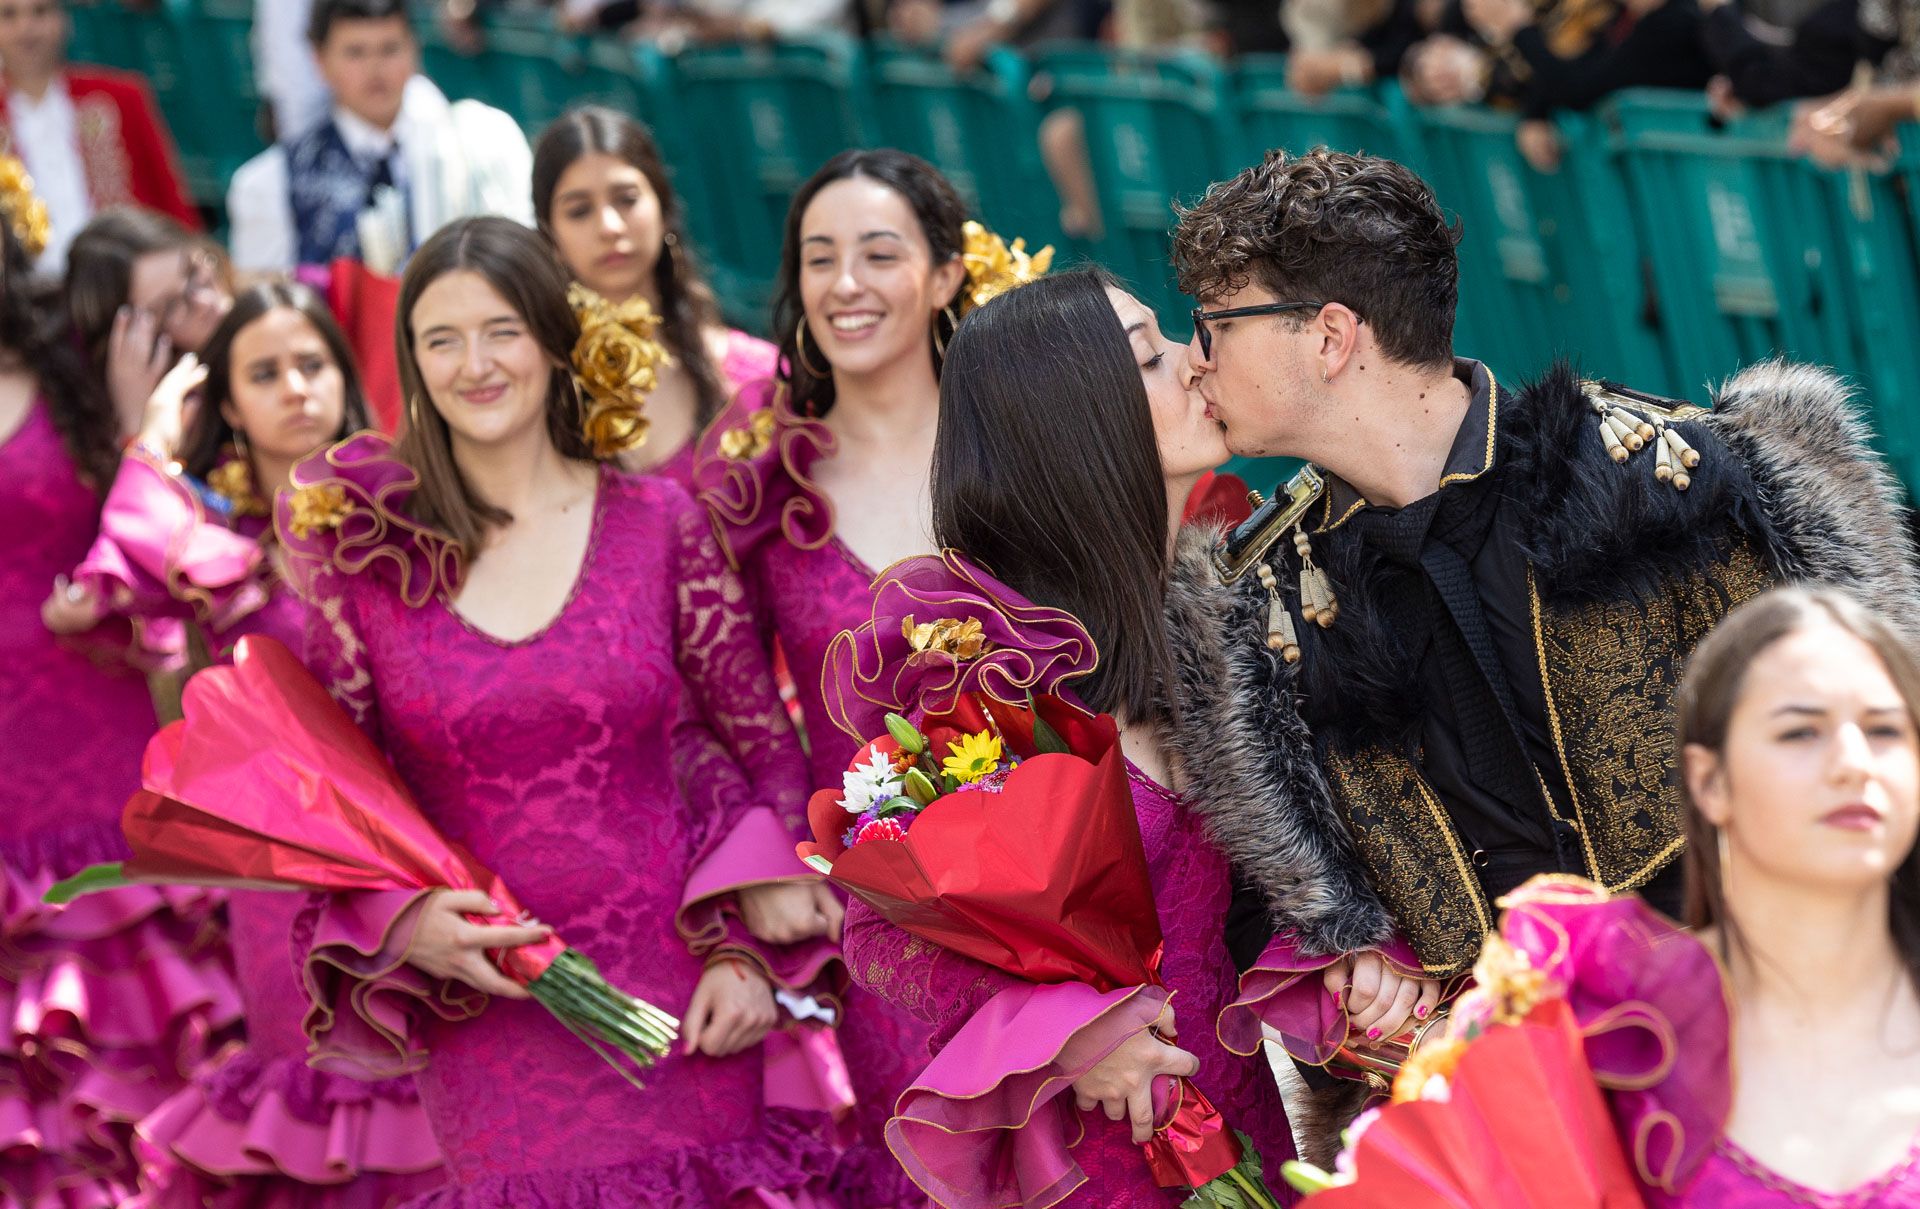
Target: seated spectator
<point x="965" y="30"/>
<point x="1753" y="70"/>
<point x="1571" y="54"/>
<point x="673" y="25"/>
<point x="1340" y="44"/>
<point x="1856" y="127"/>
<point x="392" y="164"/>
<point x="90" y="137"/>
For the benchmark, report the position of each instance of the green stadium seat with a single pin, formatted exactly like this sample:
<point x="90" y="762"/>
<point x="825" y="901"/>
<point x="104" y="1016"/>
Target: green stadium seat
<point x="527" y="68"/>
<point x="1738" y="238"/>
<point x="750" y="124"/>
<point x="611" y="74"/>
<point x="221" y="129"/>
<point x="978" y="130"/>
<point x="1273" y="117"/>
<point x="1159" y="130"/>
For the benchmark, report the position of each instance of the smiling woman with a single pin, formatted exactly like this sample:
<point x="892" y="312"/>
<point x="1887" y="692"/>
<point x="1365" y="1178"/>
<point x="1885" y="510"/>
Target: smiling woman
<point x="561" y="668"/>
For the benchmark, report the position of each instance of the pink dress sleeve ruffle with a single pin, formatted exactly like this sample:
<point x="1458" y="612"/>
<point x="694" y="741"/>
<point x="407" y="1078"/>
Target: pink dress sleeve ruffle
<point x="367" y="1004"/>
<point x="161" y="553"/>
<point x="756" y="479"/>
<point x="1654" y="1010"/>
<point x="1283" y="991"/>
<point x="874" y="668"/>
<point x="992" y="1121"/>
<point x="347" y="509"/>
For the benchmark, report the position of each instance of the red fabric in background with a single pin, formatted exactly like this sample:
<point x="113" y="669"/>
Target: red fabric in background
<point x="365" y="303"/>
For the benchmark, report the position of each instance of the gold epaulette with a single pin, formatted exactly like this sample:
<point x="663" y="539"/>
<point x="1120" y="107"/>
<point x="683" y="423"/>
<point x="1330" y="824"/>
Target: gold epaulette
<point x="1630" y="421"/>
<point x="1243" y="548"/>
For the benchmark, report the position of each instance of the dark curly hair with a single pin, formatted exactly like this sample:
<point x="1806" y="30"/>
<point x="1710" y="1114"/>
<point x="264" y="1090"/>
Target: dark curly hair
<point x="942" y="216"/>
<point x="1354" y="229"/>
<point x="33" y="328"/>
<point x="687" y="302"/>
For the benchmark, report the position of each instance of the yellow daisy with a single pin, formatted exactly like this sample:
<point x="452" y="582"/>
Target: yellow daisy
<point x="974" y="756"/>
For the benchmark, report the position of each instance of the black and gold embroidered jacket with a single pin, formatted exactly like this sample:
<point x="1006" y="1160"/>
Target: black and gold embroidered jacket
<point x="1496" y="694"/>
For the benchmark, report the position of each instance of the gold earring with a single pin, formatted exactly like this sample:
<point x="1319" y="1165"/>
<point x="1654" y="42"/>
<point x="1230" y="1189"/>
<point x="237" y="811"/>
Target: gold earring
<point x="953" y="324"/>
<point x="800" y="350"/>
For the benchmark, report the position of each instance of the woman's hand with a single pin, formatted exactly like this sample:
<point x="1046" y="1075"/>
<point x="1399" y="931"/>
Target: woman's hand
<point x="448" y="945"/>
<point x="1497" y="21"/>
<point x="786" y="912"/>
<point x="165" y="421"/>
<point x="1122" y="1083"/>
<point x="732" y="1008"/>
<point x="71" y="608"/>
<point x="138" y="354"/>
<point x="1379" y="1000"/>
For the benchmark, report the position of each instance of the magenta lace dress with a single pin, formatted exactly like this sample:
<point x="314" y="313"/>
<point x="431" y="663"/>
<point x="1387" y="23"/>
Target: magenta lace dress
<point x="992" y="1122"/>
<point x="554" y="759"/>
<point x="111" y="1002"/>
<point x="1616" y="956"/>
<point x="257" y="1127"/>
<point x="777" y="527"/>
<point x="747" y="359"/>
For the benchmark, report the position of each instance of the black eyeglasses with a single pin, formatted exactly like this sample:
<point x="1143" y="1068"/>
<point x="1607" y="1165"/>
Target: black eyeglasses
<point x="1202" y="318"/>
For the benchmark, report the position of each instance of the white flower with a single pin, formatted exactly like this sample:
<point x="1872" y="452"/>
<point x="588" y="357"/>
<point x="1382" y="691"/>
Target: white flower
<point x="1436" y="1088"/>
<point x="869" y="784"/>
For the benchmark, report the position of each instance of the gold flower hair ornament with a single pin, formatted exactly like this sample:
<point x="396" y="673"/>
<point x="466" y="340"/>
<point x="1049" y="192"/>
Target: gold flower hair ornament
<point x="232" y="480"/>
<point x="993" y="268"/>
<point x="24" y="211"/>
<point x="315" y="507"/>
<point x="963" y="640"/>
<point x="616" y="363"/>
<point x="751" y="439"/>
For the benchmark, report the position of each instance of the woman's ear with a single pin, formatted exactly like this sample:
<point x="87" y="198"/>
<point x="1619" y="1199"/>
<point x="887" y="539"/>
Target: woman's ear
<point x="947" y="279"/>
<point x="1706" y="778"/>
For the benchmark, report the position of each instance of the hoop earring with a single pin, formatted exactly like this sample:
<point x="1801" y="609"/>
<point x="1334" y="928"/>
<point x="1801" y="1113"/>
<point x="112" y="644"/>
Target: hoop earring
<point x="1726" y="863"/>
<point x="800" y="350"/>
<point x="953" y="324"/>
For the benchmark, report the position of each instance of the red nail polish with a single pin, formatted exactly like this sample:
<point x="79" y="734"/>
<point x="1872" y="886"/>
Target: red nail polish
<point x="1373" y="1034"/>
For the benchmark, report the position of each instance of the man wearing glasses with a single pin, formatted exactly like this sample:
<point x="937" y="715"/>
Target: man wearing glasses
<point x="1479" y="597"/>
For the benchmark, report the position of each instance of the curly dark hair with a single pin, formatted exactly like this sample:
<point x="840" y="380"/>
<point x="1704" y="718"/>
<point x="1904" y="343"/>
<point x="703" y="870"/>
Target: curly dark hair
<point x="33" y="328"/>
<point x="1354" y="229"/>
<point x="942" y="218"/>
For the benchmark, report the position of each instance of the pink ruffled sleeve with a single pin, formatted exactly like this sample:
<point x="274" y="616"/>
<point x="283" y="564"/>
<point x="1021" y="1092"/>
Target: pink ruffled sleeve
<point x="1653" y="1008"/>
<point x="1283" y="991"/>
<point x="160" y="553"/>
<point x="991" y="1122"/>
<point x="366" y="1004"/>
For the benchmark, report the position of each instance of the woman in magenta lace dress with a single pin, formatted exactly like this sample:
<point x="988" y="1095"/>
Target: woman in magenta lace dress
<point x="108" y="1004"/>
<point x="602" y="196"/>
<point x="824" y="481"/>
<point x="1041" y="1093"/>
<point x="187" y="535"/>
<point x="563" y="669"/>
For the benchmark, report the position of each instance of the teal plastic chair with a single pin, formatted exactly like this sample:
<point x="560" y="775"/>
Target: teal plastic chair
<point x="1738" y="236"/>
<point x="750" y="123"/>
<point x="1549" y="265"/>
<point x="1159" y="130"/>
<point x="1274" y="117"/>
<point x="980" y="130"/>
<point x="215" y="114"/>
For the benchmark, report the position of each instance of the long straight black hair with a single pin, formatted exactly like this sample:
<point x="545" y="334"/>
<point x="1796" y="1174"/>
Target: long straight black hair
<point x="1046" y="472"/>
<point x="942" y="218"/>
<point x="687" y="302"/>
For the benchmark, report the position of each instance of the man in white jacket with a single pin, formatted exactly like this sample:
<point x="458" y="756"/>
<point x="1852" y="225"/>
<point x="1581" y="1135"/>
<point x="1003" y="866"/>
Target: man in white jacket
<point x="393" y="162"/>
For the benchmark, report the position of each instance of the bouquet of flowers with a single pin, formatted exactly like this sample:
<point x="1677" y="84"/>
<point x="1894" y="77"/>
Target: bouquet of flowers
<point x="1007" y="834"/>
<point x="1579" y="994"/>
<point x="266" y="783"/>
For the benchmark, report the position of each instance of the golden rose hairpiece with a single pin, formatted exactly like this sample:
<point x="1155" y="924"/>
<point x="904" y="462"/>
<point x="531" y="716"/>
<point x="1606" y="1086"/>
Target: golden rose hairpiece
<point x="993" y="267"/>
<point x="23" y="210"/>
<point x="616" y="363"/>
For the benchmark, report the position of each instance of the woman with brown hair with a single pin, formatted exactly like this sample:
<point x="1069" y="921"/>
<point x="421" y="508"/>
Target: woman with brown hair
<point x="187" y="535"/>
<point x="602" y="196"/>
<point x="563" y="670"/>
<point x="141" y="290"/>
<point x="1779" y="1043"/>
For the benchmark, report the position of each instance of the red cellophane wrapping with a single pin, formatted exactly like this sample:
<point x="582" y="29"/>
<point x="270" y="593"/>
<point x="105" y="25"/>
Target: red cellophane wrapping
<point x="1524" y="1127"/>
<point x="267" y="783"/>
<point x="1046" y="880"/>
